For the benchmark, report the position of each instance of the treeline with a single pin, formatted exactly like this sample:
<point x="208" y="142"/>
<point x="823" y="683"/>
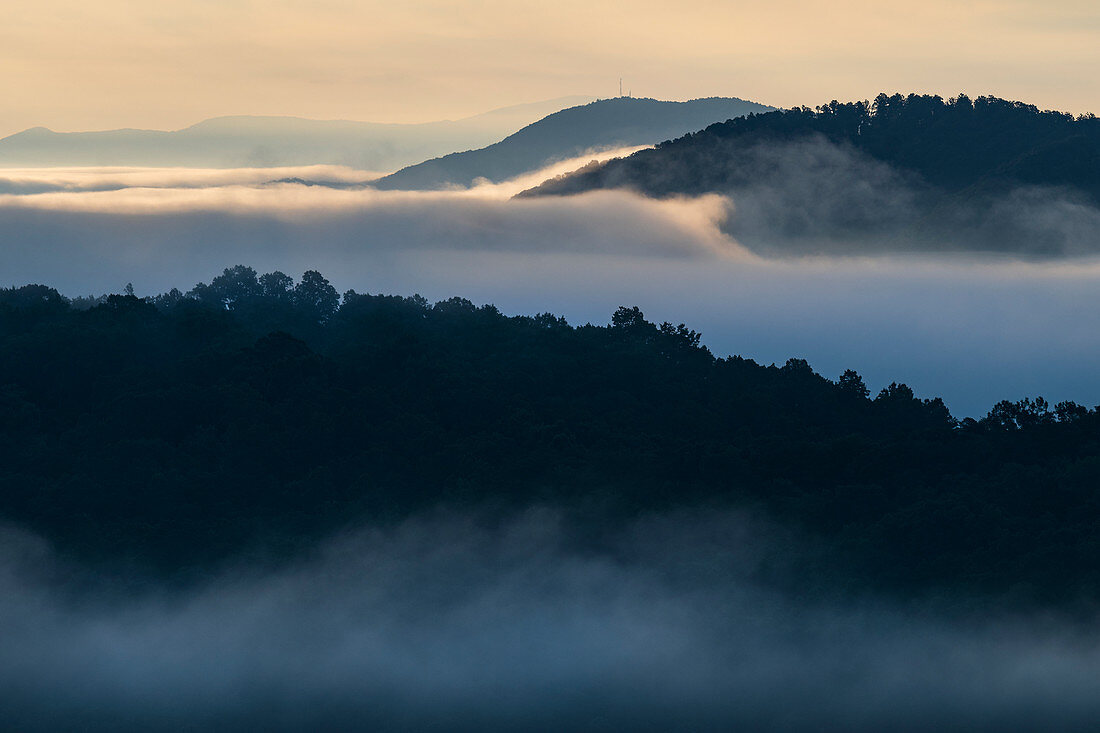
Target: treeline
<point x="255" y="414"/>
<point x="953" y="144"/>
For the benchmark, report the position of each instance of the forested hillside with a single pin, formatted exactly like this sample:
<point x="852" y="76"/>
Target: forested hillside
<point x="259" y="415"/>
<point x="955" y="143"/>
<point x="901" y="173"/>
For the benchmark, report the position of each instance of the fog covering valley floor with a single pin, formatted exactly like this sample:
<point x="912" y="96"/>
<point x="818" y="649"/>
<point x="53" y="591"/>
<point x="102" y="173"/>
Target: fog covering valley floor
<point x="260" y="503"/>
<point x="451" y="622"/>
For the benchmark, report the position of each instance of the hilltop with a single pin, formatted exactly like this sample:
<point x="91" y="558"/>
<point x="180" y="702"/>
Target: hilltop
<point x="602" y="125"/>
<point x="899" y="172"/>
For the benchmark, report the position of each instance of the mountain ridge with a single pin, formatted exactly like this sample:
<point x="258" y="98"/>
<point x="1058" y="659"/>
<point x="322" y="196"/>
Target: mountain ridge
<point x="600" y="125"/>
<point x="974" y="140"/>
<point x="912" y="173"/>
<point x="239" y="140"/>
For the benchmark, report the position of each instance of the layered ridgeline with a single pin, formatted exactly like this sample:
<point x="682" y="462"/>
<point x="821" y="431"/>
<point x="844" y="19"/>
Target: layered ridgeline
<point x="603" y="125"/>
<point x="896" y="173"/>
<point x="260" y="415"/>
<point x="227" y="142"/>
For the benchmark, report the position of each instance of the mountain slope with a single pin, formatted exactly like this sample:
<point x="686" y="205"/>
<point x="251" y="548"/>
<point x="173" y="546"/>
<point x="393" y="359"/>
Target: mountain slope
<point x="954" y="144"/>
<point x="226" y="142"/>
<point x="606" y="124"/>
<point x="914" y="173"/>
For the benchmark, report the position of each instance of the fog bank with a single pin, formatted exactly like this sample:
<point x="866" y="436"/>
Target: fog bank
<point x="456" y="622"/>
<point x="972" y="329"/>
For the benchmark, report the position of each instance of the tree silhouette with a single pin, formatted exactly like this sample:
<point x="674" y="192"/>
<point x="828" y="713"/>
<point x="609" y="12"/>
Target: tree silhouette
<point x="316" y="295"/>
<point x="276" y="285"/>
<point x="235" y="285"/>
<point x="851" y="383"/>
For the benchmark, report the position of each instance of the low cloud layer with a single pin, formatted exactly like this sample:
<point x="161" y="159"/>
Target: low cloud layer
<point x="33" y="181"/>
<point x="812" y="196"/>
<point x="972" y="329"/>
<point x="816" y="197"/>
<point x="457" y="622"/>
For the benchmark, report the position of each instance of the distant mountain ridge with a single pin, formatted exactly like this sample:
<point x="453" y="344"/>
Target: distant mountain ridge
<point x="600" y="125"/>
<point x="257" y="141"/>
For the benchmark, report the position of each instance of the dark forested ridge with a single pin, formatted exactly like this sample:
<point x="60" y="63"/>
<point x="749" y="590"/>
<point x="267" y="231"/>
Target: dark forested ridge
<point x="981" y="174"/>
<point x="256" y="414"/>
<point x="955" y="143"/>
<point x="607" y="123"/>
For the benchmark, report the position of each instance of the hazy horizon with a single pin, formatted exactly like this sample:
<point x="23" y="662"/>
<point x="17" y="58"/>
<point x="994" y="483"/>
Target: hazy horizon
<point x="122" y="63"/>
<point x="517" y="108"/>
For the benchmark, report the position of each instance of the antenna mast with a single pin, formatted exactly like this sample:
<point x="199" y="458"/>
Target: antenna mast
<point x="620" y="86"/>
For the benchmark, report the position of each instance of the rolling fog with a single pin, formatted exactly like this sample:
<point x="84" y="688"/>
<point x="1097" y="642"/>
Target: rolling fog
<point x="452" y="621"/>
<point x="972" y="328"/>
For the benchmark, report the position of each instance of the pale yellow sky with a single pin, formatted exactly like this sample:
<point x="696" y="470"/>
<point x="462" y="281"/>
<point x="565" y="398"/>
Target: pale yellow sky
<point x="74" y="64"/>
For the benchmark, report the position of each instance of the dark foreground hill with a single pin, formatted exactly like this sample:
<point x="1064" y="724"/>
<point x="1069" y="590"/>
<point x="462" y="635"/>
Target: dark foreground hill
<point x="935" y="174"/>
<point x="606" y="124"/>
<point x="259" y="415"/>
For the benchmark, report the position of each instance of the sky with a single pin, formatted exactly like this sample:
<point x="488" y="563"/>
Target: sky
<point x="74" y="65"/>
